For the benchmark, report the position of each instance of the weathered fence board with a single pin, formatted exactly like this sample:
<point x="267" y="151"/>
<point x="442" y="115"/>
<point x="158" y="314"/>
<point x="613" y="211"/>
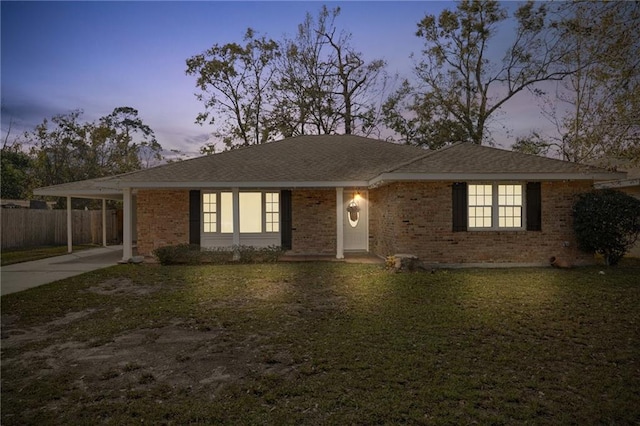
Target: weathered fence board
<point x="32" y="228"/>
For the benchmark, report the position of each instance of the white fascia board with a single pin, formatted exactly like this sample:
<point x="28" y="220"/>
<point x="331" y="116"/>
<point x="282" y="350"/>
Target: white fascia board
<point x="623" y="183"/>
<point x="253" y="185"/>
<point x="431" y="177"/>
<point x="79" y="193"/>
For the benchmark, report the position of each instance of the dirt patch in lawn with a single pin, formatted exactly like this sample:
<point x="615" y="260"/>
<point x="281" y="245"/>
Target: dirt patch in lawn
<point x="121" y="286"/>
<point x="181" y="354"/>
<point x="174" y="355"/>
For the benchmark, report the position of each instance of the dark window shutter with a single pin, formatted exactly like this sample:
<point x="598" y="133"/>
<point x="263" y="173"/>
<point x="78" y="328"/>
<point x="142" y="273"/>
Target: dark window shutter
<point x="459" y="203"/>
<point x="285" y="218"/>
<point x="534" y="206"/>
<point x="194" y="217"/>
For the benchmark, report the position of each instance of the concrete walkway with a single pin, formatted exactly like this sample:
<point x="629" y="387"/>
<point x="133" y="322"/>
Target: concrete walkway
<point x="22" y="276"/>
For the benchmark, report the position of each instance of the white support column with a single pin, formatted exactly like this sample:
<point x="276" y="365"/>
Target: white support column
<point x="104" y="222"/>
<point x="339" y="224"/>
<point x="69" y="227"/>
<point x="236" y="221"/>
<point x="127" y="244"/>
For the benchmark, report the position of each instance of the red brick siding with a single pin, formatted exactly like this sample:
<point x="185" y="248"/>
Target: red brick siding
<point x="313" y="221"/>
<point x="416" y="218"/>
<point x="163" y="219"/>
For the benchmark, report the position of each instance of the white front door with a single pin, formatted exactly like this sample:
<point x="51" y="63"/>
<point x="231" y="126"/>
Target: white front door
<point x="355" y="221"/>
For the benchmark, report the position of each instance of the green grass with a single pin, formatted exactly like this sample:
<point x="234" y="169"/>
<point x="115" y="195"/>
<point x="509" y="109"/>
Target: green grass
<point x="9" y="257"/>
<point x="324" y="343"/>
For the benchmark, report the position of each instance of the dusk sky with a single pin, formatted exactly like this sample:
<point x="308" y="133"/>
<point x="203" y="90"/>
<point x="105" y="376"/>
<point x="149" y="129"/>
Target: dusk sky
<point x="95" y="56"/>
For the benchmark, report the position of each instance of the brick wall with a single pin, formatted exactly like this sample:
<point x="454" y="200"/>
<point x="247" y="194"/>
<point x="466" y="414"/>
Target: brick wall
<point x="416" y="218"/>
<point x="313" y="221"/>
<point x="163" y="219"/>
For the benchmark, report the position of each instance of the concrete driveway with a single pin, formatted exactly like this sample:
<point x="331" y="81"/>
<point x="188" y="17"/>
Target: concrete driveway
<point x="22" y="276"/>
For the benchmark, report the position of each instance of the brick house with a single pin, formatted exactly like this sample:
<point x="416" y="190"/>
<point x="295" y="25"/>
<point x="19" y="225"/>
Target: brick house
<point x="334" y="194"/>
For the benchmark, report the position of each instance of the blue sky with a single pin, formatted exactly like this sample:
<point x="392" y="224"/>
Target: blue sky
<point x="95" y="56"/>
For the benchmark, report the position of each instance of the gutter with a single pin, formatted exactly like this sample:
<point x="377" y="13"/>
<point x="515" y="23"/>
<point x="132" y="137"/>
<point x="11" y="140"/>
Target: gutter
<point x="621" y="183"/>
<point x="453" y="177"/>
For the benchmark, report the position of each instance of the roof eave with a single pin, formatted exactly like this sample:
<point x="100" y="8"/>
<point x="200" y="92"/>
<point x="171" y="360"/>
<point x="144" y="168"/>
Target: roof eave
<point x="253" y="184"/>
<point x="618" y="183"/>
<point x="432" y="177"/>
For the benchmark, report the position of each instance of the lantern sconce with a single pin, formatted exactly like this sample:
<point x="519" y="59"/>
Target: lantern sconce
<point x="354" y="210"/>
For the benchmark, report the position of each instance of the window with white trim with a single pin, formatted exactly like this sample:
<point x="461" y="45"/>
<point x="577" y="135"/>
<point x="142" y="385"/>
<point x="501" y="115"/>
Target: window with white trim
<point x="495" y="206"/>
<point x="510" y="206"/>
<point x="210" y="212"/>
<point x="258" y="212"/>
<point x="226" y="212"/>
<point x="480" y="206"/>
<point x="250" y="212"/>
<point x="272" y="211"/>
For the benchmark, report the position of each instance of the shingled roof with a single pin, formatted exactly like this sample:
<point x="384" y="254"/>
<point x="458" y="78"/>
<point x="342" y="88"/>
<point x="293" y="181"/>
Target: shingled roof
<point x="340" y="160"/>
<point x="472" y="158"/>
<point x="323" y="158"/>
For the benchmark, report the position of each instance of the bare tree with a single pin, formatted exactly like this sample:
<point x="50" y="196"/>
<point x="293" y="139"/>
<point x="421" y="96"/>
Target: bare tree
<point x="459" y="89"/>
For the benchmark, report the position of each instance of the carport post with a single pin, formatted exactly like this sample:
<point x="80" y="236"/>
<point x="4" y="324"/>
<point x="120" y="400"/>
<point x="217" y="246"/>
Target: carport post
<point x="69" y="226"/>
<point x="104" y="222"/>
<point x="127" y="249"/>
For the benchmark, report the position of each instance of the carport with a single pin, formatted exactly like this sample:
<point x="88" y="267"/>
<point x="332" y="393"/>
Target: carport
<point x="101" y="189"/>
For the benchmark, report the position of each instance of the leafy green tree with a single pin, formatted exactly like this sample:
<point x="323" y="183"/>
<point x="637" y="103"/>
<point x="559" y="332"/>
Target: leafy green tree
<point x="61" y="146"/>
<point x="459" y="89"/>
<point x="607" y="222"/>
<point x="420" y="121"/>
<point x="15" y="168"/>
<point x="235" y="83"/>
<point x="596" y="110"/>
<point x="123" y="142"/>
<point x="67" y="149"/>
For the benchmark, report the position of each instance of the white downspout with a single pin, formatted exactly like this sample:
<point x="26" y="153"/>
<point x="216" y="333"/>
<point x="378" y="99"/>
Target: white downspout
<point x="339" y="224"/>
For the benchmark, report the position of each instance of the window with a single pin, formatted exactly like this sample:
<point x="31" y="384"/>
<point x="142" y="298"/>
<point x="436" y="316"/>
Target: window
<point x="480" y="206"/>
<point x="510" y="206"/>
<point x="250" y="212"/>
<point x="258" y="212"/>
<point x="495" y="206"/>
<point x="210" y="213"/>
<point x="272" y="212"/>
<point x="226" y="212"/>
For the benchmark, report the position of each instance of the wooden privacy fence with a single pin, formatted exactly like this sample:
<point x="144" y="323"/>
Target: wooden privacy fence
<point x="32" y="228"/>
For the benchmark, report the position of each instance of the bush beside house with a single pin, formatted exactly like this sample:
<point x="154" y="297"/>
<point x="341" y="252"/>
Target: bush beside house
<point x="607" y="222"/>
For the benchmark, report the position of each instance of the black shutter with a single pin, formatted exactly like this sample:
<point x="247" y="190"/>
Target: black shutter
<point x="194" y="217"/>
<point x="534" y="206"/>
<point x="459" y="203"/>
<point x="285" y="219"/>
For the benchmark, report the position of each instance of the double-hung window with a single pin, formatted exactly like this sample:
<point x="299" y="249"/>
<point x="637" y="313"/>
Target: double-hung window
<point x="510" y="206"/>
<point x="258" y="212"/>
<point x="495" y="206"/>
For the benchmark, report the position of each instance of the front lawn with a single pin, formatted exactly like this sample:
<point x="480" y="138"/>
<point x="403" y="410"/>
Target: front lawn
<point x="324" y="343"/>
<point x="11" y="256"/>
